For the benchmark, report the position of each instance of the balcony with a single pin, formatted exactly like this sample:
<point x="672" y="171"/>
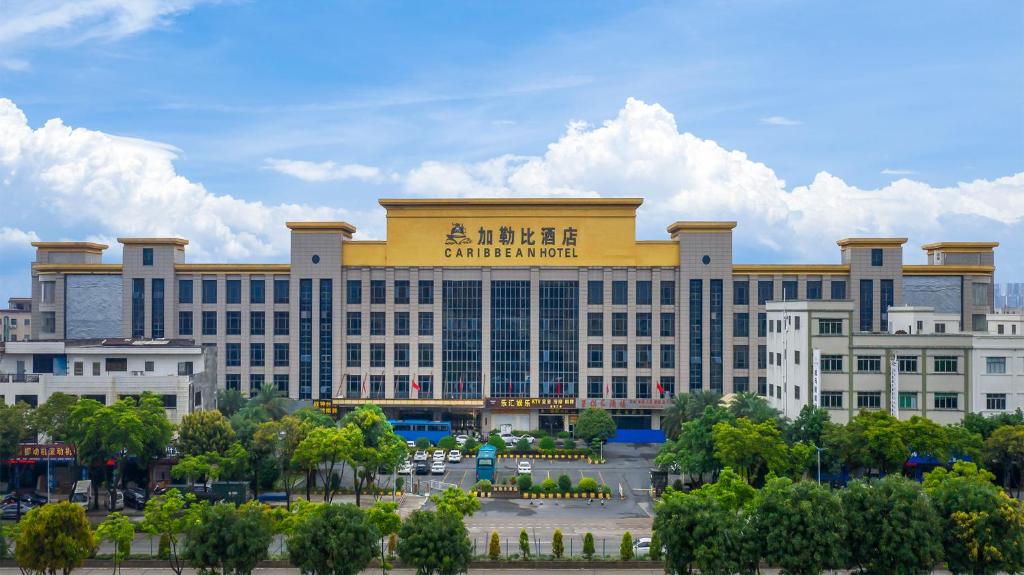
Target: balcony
<point x="19" y="378"/>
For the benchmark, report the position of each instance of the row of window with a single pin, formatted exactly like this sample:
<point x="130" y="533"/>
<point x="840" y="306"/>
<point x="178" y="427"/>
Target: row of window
<point x="233" y="323"/>
<point x="257" y="354"/>
<point x="873" y="364"/>
<point x="907" y="400"/>
<point x="766" y="291"/>
<point x="378" y="322"/>
<point x="620" y="292"/>
<point x="643" y="357"/>
<point x="233" y="291"/>
<point x="378" y="292"/>
<point x="644" y="324"/>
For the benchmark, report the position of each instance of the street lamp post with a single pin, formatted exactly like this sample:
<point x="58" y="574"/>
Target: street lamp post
<point x="819" y="450"/>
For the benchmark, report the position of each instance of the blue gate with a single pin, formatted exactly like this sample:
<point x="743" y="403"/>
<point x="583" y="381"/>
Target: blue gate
<point x="638" y="436"/>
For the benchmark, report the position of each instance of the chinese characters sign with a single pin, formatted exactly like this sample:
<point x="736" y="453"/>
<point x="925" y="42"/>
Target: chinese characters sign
<point x="633" y="403"/>
<point x="531" y="403"/>
<point x="511" y="242"/>
<point x="54" y="452"/>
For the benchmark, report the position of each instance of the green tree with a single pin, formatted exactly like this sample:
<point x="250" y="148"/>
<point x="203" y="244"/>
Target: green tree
<point x="446" y="443"/>
<point x="694" y="451"/>
<point x="687" y="407"/>
<point x="751" y="448"/>
<point x="494" y="547"/>
<point x="587" y="485"/>
<point x="333" y="540"/>
<point x="699" y="531"/>
<point x="925" y="437"/>
<point x="753" y="407"/>
<point x="203" y="432"/>
<point x="524" y="544"/>
<point x="380" y="446"/>
<point x="53" y="539"/>
<point x="52" y="418"/>
<point x="892" y="526"/>
<point x="801" y="525"/>
<point x="588" y="545"/>
<point x="470" y="445"/>
<point x="557" y="546"/>
<point x="984" y="426"/>
<point x="326" y="448"/>
<point x="191" y="467"/>
<point x="655" y="553"/>
<point x="809" y="426"/>
<point x="549" y="485"/>
<point x="524" y="482"/>
<point x="731" y="490"/>
<point x="564" y="484"/>
<point x="119" y="530"/>
<point x="229" y="541"/>
<point x="278" y="441"/>
<point x="522" y="444"/>
<point x="229" y="401"/>
<point x="546" y="444"/>
<point x="875" y="442"/>
<point x="422" y="443"/>
<point x="626" y="546"/>
<point x="167" y="516"/>
<point x="457" y="501"/>
<point x="383" y="516"/>
<point x="1004" y="450"/>
<point x="497" y="442"/>
<point x="434" y="543"/>
<point x="594" y="423"/>
<point x="313" y="417"/>
<point x="270" y="400"/>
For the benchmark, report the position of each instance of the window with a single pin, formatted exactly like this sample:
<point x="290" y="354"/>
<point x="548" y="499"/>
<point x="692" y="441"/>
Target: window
<point x="643" y="356"/>
<point x="595" y="324"/>
<point x="353" y="323"/>
<point x="619" y="387"/>
<point x="907" y="363"/>
<point x="233" y="291"/>
<point x="814" y="289"/>
<point x="401" y="291"/>
<point x="668" y="324"/>
<point x="946" y="364"/>
<point x="257" y="355"/>
<point x="426" y="295"/>
<point x="741" y="292"/>
<point x="762" y="324"/>
<point x="138" y="307"/>
<point x="280" y="355"/>
<point x="832" y="399"/>
<point x="256" y="383"/>
<point x="696" y="328"/>
<point x="257" y="291"/>
<point x="643" y="387"/>
<point x="620" y="292"/>
<point x="461" y="337"/>
<point x="668" y="356"/>
<point x="426" y="355"/>
<point x="762" y="385"/>
<point x="979" y="322"/>
<point x="838" y="289"/>
<point x="947" y="401"/>
<point x="184" y="291"/>
<point x="668" y="293"/>
<point x="643" y="324"/>
<point x="426" y="386"/>
<point x="740" y="357"/>
<point x="789" y="290"/>
<point x="281" y="291"/>
<point x="401" y="386"/>
<point x="402" y="323"/>
<point x="377" y="323"/>
<point x="376" y="355"/>
<point x="619" y="324"/>
<point x="867" y="305"/>
<point x="595" y="292"/>
<point x="426" y="321"/>
<point x="740" y="384"/>
<point x="325" y="326"/>
<point x="619" y="356"/>
<point x="796" y="322"/>
<point x="353" y="355"/>
<point x="281" y="320"/>
<point x="47" y="291"/>
<point x="559" y="337"/>
<point x="233" y="354"/>
<point x="995" y="401"/>
<point x="184" y="323"/>
<point x="209" y="323"/>
<point x="979" y="293"/>
<point x="908" y="400"/>
<point x="762" y="357"/>
<point x="643" y="292"/>
<point x="233" y="319"/>
<point x="184" y="368"/>
<point x="869" y="363"/>
<point x="995" y="365"/>
<point x="233" y="381"/>
<point x="401" y="355"/>
<point x="209" y="291"/>
<point x="595" y="386"/>
<point x="796" y="357"/>
<point x="1000" y="329"/>
<point x="869" y="399"/>
<point x="831" y="363"/>
<point x="741" y="324"/>
<point x="595" y="355"/>
<point x="79" y="368"/>
<point x="668" y="383"/>
<point x="876" y="257"/>
<point x="281" y="382"/>
<point x="940" y="328"/>
<point x="353" y="292"/>
<point x="765" y="291"/>
<point x="830" y="327"/>
<point x="257" y="323"/>
<point x="378" y="292"/>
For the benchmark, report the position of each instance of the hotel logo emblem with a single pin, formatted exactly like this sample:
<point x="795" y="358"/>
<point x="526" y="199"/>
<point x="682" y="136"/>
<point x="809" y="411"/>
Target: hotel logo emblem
<point x="457" y="236"/>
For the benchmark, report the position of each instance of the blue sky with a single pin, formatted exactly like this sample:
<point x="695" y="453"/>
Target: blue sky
<point x="805" y="121"/>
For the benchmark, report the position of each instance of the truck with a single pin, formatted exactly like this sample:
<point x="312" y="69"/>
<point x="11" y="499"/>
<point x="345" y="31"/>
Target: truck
<point x="81" y="494"/>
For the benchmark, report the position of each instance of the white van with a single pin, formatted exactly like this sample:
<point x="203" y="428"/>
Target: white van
<point x="82" y="494"/>
<point x="115" y="500"/>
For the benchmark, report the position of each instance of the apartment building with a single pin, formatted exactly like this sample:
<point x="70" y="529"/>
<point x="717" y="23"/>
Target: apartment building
<point x="16" y="320"/>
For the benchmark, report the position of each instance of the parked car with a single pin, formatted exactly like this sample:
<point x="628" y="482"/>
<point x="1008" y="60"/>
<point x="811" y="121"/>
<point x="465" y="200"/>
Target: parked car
<point x="81" y="493"/>
<point x="420" y="456"/>
<point x="509" y="440"/>
<point x="524" y="468"/>
<point x="114" y="500"/>
<point x="410" y="443"/>
<point x="460" y="440"/>
<point x="529" y="438"/>
<point x="439" y="455"/>
<point x="422" y="468"/>
<point x="437" y="468"/>
<point x="405" y="468"/>
<point x="454" y="456"/>
<point x="642" y="547"/>
<point x="135" y="497"/>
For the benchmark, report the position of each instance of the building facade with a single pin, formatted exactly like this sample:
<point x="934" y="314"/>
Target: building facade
<point x="491" y="311"/>
<point x="16" y="320"/>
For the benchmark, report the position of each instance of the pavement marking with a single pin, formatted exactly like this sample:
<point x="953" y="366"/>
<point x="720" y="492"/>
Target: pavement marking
<point x="464" y="473"/>
<point x="600" y="476"/>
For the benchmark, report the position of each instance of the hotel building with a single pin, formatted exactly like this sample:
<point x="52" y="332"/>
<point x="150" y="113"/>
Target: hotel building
<point x="491" y="311"/>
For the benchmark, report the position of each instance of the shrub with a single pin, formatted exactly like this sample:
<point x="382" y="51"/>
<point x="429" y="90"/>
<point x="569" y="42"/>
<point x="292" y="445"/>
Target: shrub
<point x="655" y="553"/>
<point x="524" y="544"/>
<point x="593" y="423"/>
<point x="399" y="483"/>
<point x="494" y="549"/>
<point x="524" y="482"/>
<point x="546" y="444"/>
<point x="568" y="443"/>
<point x="557" y="547"/>
<point x="536" y="490"/>
<point x="447" y="442"/>
<point x="523" y="444"/>
<point x="626" y="547"/>
<point x="564" y="435"/>
<point x="497" y="442"/>
<point x="470" y="444"/>
<point x="588" y="545"/>
<point x="483" y="485"/>
<point x="422" y="442"/>
<point x="564" y="483"/>
<point x="677" y="485"/>
<point x="587" y="485"/>
<point x="549" y="485"/>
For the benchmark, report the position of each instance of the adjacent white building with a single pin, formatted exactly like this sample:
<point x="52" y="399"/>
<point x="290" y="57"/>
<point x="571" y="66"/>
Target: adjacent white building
<point x="181" y="372"/>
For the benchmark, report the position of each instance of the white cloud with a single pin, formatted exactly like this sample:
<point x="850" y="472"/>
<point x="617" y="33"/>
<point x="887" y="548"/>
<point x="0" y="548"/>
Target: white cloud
<point x="74" y="21"/>
<point x="323" y="171"/>
<point x="898" y="172"/>
<point x="641" y="152"/>
<point x="13" y="238"/>
<point x="125" y="186"/>
<point x="780" y="121"/>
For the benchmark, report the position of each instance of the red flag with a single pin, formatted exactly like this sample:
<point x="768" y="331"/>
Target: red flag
<point x="415" y="385"/>
<point x="660" y="388"/>
<point x="558" y="386"/>
<point x="509" y="386"/>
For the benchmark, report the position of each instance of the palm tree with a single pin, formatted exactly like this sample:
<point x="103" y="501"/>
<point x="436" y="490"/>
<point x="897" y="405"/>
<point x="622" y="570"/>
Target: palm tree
<point x="271" y="400"/>
<point x="687" y="406"/>
<point x="753" y="407"/>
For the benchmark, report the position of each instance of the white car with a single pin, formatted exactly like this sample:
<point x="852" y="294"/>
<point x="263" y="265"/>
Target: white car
<point x="509" y="440"/>
<point x="437" y="468"/>
<point x="410" y="443"/>
<point x="642" y="547"/>
<point x="461" y="439"/>
<point x="524" y="468"/>
<point x="405" y="468"/>
<point x="439" y="455"/>
<point x="454" y="456"/>
<point x="420" y="456"/>
<point x="529" y="438"/>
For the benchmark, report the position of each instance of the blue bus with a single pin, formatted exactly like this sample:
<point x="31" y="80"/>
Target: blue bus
<point x="485" y="461"/>
<point x="413" y="429"/>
